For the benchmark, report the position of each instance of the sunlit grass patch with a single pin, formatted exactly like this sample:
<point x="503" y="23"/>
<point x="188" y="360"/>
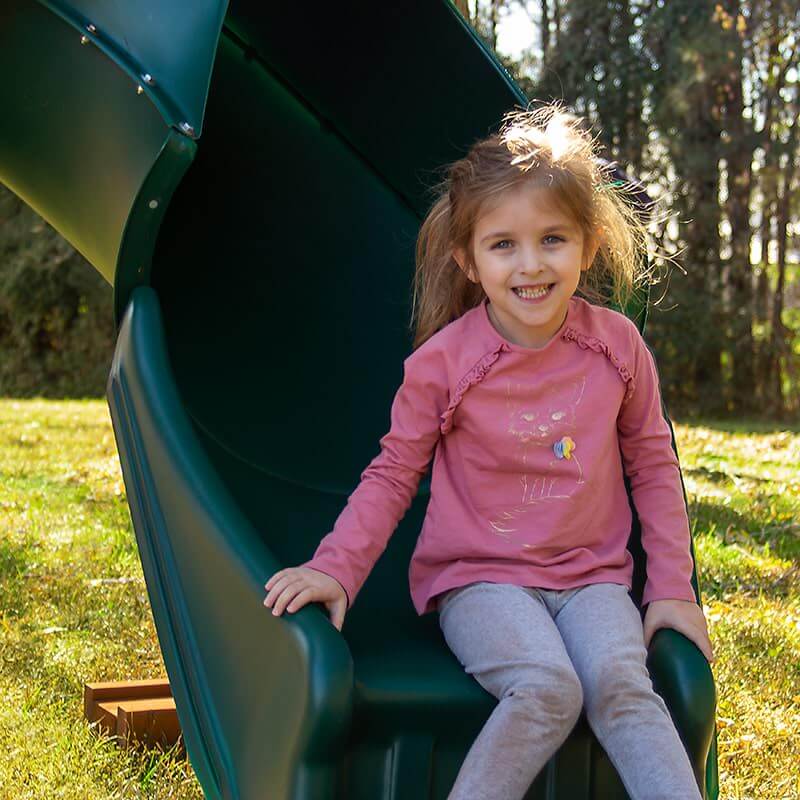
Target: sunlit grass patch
<point x="74" y="606"/>
<point x="743" y="488"/>
<point x="73" y="609"/>
<point x="758" y="682"/>
<point x="49" y="751"/>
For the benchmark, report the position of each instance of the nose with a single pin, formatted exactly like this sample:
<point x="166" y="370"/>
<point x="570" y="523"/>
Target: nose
<point x="532" y="263"/>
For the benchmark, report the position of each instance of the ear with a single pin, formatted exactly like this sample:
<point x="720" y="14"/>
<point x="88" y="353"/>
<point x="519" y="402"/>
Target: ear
<point x="460" y="257"/>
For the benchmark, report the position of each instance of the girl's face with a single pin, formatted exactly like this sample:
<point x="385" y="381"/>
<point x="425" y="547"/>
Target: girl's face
<point x="529" y="257"/>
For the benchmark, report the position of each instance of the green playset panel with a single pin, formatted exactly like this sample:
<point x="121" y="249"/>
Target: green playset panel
<point x="262" y="277"/>
<point x="76" y="140"/>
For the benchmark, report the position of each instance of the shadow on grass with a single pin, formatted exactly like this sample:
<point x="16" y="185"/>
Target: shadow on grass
<point x="739" y="548"/>
<point x="744" y="426"/>
<point x="718" y="476"/>
<point x="15" y="560"/>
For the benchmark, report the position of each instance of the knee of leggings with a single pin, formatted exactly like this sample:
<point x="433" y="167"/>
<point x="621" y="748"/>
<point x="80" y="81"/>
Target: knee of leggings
<point x="560" y="698"/>
<point x="620" y="694"/>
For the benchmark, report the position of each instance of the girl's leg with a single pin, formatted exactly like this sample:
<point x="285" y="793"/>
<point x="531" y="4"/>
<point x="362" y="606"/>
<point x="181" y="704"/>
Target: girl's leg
<point x="602" y="631"/>
<point x="504" y="636"/>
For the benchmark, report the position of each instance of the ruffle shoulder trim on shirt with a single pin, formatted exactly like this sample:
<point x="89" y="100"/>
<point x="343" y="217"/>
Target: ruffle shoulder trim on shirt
<point x="587" y="342"/>
<point x="475" y="375"/>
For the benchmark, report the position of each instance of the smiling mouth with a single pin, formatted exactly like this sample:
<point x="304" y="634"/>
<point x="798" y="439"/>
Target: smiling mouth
<point x="532" y="294"/>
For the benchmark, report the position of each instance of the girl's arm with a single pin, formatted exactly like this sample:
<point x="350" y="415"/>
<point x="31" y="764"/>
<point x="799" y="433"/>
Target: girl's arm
<point x="652" y="466"/>
<point x="389" y="483"/>
<point x="654" y="473"/>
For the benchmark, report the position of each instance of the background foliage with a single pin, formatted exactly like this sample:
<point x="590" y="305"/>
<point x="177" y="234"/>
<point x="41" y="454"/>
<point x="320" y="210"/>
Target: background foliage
<point x="699" y="101"/>
<point x="696" y="99"/>
<point x="56" y="326"/>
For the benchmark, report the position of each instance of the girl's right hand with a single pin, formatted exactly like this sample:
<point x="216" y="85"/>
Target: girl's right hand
<point x="292" y="588"/>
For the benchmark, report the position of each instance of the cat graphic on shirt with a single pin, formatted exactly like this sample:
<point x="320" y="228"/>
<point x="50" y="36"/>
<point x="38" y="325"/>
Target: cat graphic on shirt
<point x="532" y="429"/>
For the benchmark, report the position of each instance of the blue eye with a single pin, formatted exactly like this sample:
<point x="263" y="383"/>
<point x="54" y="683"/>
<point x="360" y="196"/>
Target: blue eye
<point x="503" y="241"/>
<point x="553" y="236"/>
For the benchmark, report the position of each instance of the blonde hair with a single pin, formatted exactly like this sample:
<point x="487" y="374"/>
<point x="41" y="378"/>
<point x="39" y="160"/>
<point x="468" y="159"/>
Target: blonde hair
<point x="542" y="147"/>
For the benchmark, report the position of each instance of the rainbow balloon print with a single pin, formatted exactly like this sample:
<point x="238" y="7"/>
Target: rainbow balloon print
<point x="563" y="448"/>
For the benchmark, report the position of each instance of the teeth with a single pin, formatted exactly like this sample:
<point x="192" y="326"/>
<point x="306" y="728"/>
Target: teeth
<point x="530" y="294"/>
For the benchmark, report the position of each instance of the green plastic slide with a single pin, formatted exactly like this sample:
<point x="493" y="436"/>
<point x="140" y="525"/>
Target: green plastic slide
<point x="251" y="179"/>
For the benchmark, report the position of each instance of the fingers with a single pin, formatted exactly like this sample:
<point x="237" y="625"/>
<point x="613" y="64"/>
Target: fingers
<point x="291" y="589"/>
<point x="293" y="597"/>
<point x="694" y="633"/>
<point x="336" y="612"/>
<point x="704" y="643"/>
<point x="280" y="575"/>
<point x="697" y="631"/>
<point x="300" y="599"/>
<point x="648" y="635"/>
<point x="279" y="587"/>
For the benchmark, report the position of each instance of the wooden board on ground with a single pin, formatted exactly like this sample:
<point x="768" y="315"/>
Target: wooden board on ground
<point x="135" y="712"/>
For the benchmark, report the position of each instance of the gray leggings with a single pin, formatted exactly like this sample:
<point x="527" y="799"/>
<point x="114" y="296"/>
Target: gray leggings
<point x="545" y="654"/>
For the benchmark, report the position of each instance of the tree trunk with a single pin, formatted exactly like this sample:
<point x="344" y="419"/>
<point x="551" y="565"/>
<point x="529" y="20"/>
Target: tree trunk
<point x="463" y="7"/>
<point x="768" y="182"/>
<point x="781" y="352"/>
<point x="557" y="23"/>
<point x="491" y="17"/>
<point x="545" y="34"/>
<point x="739" y="157"/>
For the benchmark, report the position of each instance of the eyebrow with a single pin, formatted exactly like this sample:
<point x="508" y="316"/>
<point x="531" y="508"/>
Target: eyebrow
<point x="560" y="227"/>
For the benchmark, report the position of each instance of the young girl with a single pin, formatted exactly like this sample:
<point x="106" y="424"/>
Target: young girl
<point x="532" y="401"/>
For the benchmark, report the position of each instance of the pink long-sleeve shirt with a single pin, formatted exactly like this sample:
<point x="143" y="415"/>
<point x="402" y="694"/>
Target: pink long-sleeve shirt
<point x="529" y="447"/>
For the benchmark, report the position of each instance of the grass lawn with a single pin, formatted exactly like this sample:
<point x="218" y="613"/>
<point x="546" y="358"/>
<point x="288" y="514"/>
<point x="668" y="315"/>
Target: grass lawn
<point x="65" y="531"/>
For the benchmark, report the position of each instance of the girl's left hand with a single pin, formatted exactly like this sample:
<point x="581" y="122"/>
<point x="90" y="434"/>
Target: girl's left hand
<point x="684" y="616"/>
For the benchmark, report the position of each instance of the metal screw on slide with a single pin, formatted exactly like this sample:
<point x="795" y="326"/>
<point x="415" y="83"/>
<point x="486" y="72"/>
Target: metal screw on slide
<point x="92" y="29"/>
<point x="148" y="79"/>
<point x="186" y="128"/>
